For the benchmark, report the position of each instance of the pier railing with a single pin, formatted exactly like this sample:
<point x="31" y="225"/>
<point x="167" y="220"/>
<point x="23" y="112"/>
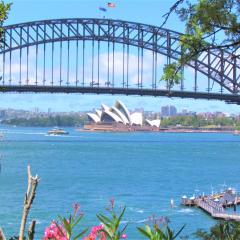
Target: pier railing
<point x="216" y="210"/>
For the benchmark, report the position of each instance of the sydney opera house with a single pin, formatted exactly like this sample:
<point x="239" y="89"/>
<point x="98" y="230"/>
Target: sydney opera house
<point x="118" y="118"/>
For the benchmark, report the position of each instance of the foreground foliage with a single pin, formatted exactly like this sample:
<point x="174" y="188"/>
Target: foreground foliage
<point x="209" y="24"/>
<point x="65" y="228"/>
<point x="221" y="231"/>
<point x="4" y="10"/>
<point x="110" y="228"/>
<point x="111" y="225"/>
<point x="159" y="231"/>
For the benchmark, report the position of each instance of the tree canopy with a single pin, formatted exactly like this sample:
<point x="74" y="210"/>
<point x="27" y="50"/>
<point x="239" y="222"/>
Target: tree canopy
<point x="4" y="10"/>
<point x="209" y="24"/>
<point x="221" y="231"/>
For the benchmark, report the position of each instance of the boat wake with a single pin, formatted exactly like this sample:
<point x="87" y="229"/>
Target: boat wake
<point x="25" y="133"/>
<point x="61" y="136"/>
<point x="135" y="221"/>
<point x="185" y="211"/>
<point x="138" y="210"/>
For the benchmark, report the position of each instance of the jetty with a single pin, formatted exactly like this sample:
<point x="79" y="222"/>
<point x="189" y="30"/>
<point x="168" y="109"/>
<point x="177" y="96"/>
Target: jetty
<point x="215" y="205"/>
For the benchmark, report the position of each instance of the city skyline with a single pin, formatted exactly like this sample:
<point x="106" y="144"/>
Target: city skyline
<point x="162" y="111"/>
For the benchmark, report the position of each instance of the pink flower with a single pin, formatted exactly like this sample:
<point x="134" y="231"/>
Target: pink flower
<point x="96" y="229"/>
<point x="76" y="207"/>
<point x="103" y="236"/>
<point x="55" y="232"/>
<point x="124" y="236"/>
<point x="112" y="202"/>
<point x="91" y="236"/>
<point x="96" y="232"/>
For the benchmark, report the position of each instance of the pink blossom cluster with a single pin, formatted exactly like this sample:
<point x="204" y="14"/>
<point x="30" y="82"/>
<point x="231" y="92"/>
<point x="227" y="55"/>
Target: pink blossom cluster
<point x="95" y="233"/>
<point x="54" y="232"/>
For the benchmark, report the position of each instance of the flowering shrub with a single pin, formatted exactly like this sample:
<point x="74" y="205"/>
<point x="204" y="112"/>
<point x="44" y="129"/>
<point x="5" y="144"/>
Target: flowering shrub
<point x="56" y="232"/>
<point x="111" y="224"/>
<point x="64" y="230"/>
<point x="96" y="233"/>
<point x="159" y="231"/>
<point x="109" y="229"/>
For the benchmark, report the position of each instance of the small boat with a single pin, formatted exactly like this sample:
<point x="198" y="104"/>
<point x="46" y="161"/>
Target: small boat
<point x="236" y="132"/>
<point x="57" y="132"/>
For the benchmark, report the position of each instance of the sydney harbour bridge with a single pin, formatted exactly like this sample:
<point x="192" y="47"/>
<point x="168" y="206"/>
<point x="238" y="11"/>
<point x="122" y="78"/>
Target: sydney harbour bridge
<point x="105" y="56"/>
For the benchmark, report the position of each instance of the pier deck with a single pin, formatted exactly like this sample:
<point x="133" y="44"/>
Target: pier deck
<point x="214" y="209"/>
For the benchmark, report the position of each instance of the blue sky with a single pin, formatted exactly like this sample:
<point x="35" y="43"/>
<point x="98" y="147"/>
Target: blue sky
<point x="144" y="11"/>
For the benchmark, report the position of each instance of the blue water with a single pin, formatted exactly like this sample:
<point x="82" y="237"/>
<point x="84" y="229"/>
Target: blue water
<point x="140" y="170"/>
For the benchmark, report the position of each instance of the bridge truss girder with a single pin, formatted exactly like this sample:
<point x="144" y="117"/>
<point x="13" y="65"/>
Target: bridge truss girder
<point x="217" y="65"/>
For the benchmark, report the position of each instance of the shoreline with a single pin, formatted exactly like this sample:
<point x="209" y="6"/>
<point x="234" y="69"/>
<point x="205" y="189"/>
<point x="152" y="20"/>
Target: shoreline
<point x="197" y="131"/>
<point x="165" y="131"/>
<point x="161" y="130"/>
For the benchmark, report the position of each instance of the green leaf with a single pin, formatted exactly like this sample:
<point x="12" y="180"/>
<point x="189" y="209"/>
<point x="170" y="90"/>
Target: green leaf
<point x="171" y="74"/>
<point x="102" y="219"/>
<point x="119" y="218"/>
<point x="77" y="221"/>
<point x="180" y="230"/>
<point x="80" y="234"/>
<point x="67" y="227"/>
<point x="144" y="232"/>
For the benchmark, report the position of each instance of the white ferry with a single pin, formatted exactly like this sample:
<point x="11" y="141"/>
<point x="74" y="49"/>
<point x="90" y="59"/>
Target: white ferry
<point x="57" y="131"/>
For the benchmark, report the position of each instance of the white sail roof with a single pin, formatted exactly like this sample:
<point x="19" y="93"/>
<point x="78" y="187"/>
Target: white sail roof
<point x="94" y="117"/>
<point x="112" y="116"/>
<point x="122" y="108"/>
<point x="105" y="107"/>
<point x="154" y="123"/>
<point x="99" y="112"/>
<point x="120" y="114"/>
<point x="137" y="118"/>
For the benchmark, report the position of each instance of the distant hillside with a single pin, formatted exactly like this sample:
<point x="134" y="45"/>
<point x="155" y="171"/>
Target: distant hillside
<point x="61" y="121"/>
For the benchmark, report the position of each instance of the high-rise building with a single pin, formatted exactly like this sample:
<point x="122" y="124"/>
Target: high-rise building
<point x="169" y="110"/>
<point x="2" y="113"/>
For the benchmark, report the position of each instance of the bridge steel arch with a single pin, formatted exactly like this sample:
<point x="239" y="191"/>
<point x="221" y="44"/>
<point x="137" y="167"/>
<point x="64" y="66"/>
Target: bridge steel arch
<point x="220" y="66"/>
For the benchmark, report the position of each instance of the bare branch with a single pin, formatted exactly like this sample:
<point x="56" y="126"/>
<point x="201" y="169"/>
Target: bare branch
<point x="2" y="236"/>
<point x="31" y="230"/>
<point x="28" y="200"/>
<point x="172" y="9"/>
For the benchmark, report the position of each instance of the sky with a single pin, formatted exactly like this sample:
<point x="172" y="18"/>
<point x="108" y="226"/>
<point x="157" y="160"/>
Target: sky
<point x="143" y="11"/>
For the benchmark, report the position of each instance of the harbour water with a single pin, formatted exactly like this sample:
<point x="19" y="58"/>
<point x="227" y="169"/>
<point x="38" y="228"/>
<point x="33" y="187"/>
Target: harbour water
<point x="140" y="170"/>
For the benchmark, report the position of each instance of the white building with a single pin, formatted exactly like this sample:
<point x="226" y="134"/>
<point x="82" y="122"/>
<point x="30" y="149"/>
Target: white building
<point x="119" y="113"/>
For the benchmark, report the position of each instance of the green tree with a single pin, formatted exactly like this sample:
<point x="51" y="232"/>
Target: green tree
<point x="171" y="74"/>
<point x="221" y="231"/>
<point x="209" y="24"/>
<point x="4" y="10"/>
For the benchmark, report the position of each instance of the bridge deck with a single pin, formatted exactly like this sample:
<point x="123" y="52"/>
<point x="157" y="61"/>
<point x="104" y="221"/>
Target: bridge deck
<point x="229" y="98"/>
